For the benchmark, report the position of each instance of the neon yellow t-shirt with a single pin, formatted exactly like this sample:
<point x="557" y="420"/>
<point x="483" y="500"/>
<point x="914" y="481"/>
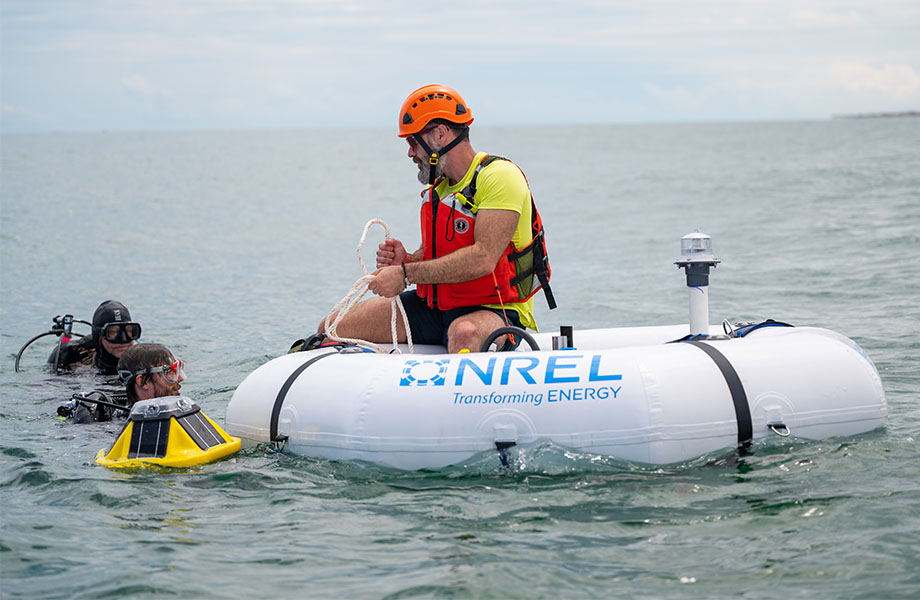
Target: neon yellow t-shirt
<point x="501" y="186"/>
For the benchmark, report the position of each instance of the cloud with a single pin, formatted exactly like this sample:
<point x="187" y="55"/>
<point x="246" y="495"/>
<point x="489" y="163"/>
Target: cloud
<point x="139" y="85"/>
<point x="10" y="110"/>
<point x="897" y="82"/>
<point x="819" y="19"/>
<point x="678" y="96"/>
<point x="297" y="63"/>
<point x="20" y="116"/>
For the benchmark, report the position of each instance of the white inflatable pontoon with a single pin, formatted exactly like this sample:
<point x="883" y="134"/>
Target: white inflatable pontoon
<point x="628" y="393"/>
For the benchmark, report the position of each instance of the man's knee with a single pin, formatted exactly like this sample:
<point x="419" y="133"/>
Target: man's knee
<point x="463" y="331"/>
<point x="469" y="331"/>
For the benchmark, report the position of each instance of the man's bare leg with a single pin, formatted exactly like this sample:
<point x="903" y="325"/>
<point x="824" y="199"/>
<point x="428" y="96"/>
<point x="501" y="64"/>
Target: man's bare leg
<point x="369" y="321"/>
<point x="470" y="331"/>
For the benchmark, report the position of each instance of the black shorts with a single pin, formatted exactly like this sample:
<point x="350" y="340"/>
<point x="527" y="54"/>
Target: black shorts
<point x="429" y="325"/>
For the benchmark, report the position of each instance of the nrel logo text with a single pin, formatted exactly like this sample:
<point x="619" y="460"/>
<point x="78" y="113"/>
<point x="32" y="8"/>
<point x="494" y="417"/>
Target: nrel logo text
<point x="510" y="368"/>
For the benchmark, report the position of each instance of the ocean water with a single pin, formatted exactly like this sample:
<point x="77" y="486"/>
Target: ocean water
<point x="229" y="246"/>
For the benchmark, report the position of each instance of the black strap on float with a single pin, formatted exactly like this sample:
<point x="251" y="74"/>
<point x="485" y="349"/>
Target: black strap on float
<point x="739" y="398"/>
<point x="282" y="393"/>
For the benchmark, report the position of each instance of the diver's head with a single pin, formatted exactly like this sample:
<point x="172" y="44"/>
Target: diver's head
<point x="150" y="371"/>
<point x="113" y="329"/>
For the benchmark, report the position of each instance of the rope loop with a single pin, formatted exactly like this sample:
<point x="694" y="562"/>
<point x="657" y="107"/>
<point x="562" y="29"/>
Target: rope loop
<point x="354" y="295"/>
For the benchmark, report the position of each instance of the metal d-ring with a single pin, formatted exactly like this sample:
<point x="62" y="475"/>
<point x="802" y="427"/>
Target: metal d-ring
<point x="780" y="429"/>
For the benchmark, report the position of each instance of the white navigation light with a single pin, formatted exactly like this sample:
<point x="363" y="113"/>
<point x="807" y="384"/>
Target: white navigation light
<point x="696" y="248"/>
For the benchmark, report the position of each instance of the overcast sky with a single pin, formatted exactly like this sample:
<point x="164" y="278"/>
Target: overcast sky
<point x="216" y="64"/>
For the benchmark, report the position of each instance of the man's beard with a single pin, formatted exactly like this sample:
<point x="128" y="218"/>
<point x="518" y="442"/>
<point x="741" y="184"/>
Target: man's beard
<point x="164" y="388"/>
<point x="424" y="171"/>
<point x="424" y="168"/>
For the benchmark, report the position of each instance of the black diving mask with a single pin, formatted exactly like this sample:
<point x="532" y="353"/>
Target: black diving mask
<point x="121" y="333"/>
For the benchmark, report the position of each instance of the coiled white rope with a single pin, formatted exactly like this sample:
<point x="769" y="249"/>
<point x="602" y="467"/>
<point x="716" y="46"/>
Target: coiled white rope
<point x="353" y="297"/>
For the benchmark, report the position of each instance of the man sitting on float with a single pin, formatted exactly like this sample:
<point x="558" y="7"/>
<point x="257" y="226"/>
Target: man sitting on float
<point x="482" y="256"/>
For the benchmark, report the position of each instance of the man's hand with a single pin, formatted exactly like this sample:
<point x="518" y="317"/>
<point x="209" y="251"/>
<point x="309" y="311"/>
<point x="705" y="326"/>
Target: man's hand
<point x="390" y="252"/>
<point x="387" y="281"/>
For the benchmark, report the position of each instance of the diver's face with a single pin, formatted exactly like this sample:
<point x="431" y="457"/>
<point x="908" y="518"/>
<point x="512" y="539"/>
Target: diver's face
<point x="160" y="384"/>
<point x="165" y="388"/>
<point x="115" y="350"/>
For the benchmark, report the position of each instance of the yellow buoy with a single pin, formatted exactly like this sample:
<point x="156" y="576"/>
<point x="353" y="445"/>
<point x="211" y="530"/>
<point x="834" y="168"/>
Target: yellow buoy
<point x="168" y="432"/>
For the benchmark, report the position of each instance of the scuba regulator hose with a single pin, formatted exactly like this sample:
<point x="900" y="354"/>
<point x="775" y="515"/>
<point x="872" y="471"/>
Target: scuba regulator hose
<point x="117" y="402"/>
<point x="61" y="327"/>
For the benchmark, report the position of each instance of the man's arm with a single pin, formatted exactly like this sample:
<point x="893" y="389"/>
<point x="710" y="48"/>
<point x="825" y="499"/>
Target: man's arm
<point x="492" y="235"/>
<point x="494" y="228"/>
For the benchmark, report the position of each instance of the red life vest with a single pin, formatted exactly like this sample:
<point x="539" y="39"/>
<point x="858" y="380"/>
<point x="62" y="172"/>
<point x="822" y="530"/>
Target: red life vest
<point x="449" y="224"/>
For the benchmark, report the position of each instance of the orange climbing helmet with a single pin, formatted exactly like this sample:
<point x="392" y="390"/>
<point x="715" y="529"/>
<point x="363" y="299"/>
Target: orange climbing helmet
<point x="432" y="102"/>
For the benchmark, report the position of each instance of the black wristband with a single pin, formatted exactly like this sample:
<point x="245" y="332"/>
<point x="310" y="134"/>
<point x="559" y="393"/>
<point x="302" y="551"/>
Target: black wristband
<point x="405" y="275"/>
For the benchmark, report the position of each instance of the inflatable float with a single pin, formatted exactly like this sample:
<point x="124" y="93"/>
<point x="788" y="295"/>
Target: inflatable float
<point x="655" y="395"/>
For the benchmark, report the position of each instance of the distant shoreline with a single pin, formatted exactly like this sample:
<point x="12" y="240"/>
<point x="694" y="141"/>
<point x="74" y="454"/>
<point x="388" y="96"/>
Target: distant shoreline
<point x="880" y="115"/>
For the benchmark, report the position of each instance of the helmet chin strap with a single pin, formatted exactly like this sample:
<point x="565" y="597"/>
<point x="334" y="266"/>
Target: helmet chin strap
<point x="434" y="156"/>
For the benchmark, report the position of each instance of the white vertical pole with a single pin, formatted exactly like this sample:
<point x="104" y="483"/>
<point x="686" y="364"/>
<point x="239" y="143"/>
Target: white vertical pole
<point x="699" y="309"/>
<point x="696" y="259"/>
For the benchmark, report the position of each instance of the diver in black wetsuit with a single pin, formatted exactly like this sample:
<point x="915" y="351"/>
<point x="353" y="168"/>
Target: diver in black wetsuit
<point x="113" y="333"/>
